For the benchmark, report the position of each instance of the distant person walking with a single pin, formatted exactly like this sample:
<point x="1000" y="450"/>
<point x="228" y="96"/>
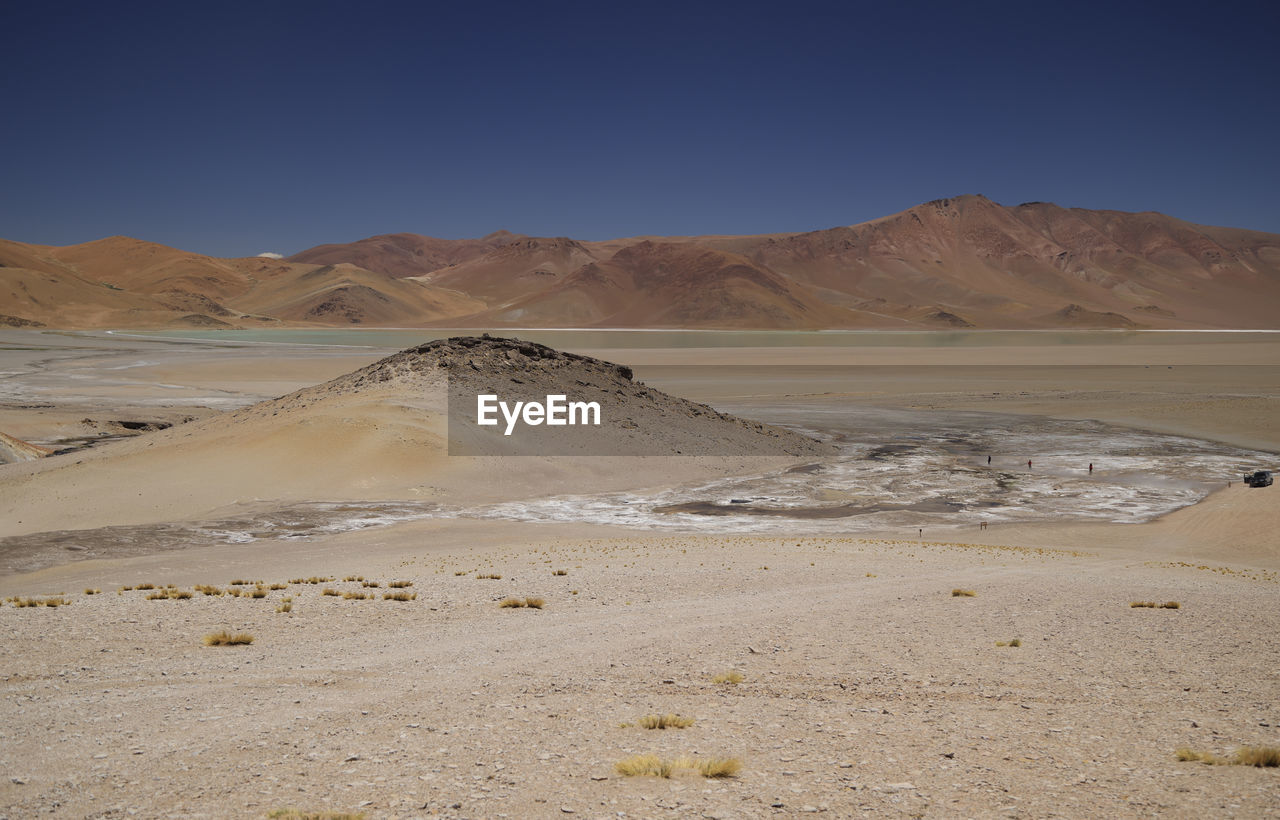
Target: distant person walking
<point x="1028" y="464"/>
<point x="1090" y="468"/>
<point x="988" y="459"/>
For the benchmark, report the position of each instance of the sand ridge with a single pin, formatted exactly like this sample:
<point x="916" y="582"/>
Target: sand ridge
<point x="379" y="433"/>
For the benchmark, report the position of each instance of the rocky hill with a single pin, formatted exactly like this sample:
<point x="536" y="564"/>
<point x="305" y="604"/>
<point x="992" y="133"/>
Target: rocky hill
<point x="951" y="263"/>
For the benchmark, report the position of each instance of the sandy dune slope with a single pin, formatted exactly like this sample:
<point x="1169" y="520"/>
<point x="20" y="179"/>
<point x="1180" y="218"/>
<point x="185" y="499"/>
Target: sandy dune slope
<point x="381" y="433"/>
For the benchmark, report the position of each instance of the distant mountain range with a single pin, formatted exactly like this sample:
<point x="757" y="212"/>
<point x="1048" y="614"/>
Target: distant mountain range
<point x="950" y="263"/>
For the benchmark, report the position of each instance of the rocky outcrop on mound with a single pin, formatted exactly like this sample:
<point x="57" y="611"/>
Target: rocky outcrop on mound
<point x="460" y="355"/>
<point x="634" y="419"/>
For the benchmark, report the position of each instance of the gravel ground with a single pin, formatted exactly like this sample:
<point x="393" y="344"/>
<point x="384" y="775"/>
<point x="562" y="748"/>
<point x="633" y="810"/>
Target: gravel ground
<point x="867" y="687"/>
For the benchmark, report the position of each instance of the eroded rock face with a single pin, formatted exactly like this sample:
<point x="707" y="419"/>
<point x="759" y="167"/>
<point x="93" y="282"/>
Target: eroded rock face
<point x="18" y="321"/>
<point x="13" y="450"/>
<point x="478" y="354"/>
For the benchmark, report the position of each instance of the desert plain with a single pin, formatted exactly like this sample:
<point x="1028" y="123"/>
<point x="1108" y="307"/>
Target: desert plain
<point x="864" y="686"/>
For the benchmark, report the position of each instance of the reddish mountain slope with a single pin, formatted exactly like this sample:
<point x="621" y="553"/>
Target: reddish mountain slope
<point x="404" y="254"/>
<point x="348" y="295"/>
<point x="962" y="262"/>
<point x="122" y="282"/>
<point x="671" y="285"/>
<point x="1010" y="267"/>
<point x="522" y="266"/>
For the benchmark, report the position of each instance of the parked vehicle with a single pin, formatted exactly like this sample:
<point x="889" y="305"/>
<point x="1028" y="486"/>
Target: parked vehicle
<point x="1258" y="478"/>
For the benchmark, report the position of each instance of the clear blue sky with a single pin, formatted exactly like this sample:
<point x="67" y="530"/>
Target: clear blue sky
<point x="232" y="128"/>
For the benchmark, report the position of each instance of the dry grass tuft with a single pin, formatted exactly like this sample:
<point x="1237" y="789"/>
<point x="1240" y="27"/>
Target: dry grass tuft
<point x="278" y="586"/>
<point x="370" y="584"/>
<point x="207" y="589"/>
<point x="963" y="593"/>
<point x="1171" y="605"/>
<point x="399" y="596"/>
<point x="720" y="767"/>
<point x="1155" y="605"/>
<point x="295" y="814"/>
<point x="52" y="601"/>
<point x="91" y="591"/>
<point x="460" y="572"/>
<point x="654" y="766"/>
<point x="1014" y="642"/>
<point x="732" y="677"/>
<point x="314" y="579"/>
<point x="560" y="572"/>
<point x="285" y="607"/>
<point x="354" y="596"/>
<point x="258" y="592"/>
<point x="354" y="578"/>
<point x="329" y="591"/>
<point x="169" y="595"/>
<point x="399" y="584"/>
<point x="640" y="765"/>
<point x="1260" y="756"/>
<point x="667" y="721"/>
<point x="491" y="576"/>
<point x="517" y="603"/>
<point x="225" y="638"/>
<point x="144" y="586"/>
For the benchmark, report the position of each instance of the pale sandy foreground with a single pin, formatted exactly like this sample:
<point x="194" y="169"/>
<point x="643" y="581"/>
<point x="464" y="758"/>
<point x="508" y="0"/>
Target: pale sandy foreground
<point x="867" y="687"/>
